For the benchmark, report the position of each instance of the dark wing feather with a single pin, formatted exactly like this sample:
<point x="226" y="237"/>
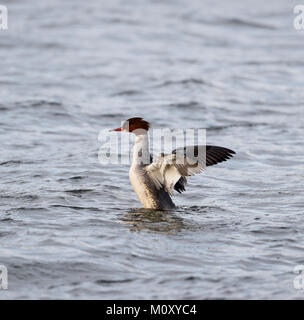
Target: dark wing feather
<point x="215" y="155"/>
<point x="180" y="185"/>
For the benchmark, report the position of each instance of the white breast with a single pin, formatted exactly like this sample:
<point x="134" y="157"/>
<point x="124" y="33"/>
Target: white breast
<point x="141" y="188"/>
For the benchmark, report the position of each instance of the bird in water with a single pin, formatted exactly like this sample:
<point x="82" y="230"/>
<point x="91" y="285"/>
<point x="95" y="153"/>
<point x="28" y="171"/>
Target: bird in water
<point x="155" y="179"/>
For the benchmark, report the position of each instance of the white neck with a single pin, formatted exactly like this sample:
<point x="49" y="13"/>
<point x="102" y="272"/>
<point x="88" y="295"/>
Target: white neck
<point x="141" y="153"/>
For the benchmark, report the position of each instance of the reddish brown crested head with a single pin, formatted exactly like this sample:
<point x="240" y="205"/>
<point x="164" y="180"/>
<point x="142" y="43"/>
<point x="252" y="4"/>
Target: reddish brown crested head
<point x="135" y="125"/>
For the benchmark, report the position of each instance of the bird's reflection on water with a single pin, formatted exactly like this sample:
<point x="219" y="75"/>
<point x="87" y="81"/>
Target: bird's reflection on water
<point x="153" y="220"/>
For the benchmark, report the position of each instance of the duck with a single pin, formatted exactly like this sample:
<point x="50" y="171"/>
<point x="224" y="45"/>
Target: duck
<point x="155" y="179"/>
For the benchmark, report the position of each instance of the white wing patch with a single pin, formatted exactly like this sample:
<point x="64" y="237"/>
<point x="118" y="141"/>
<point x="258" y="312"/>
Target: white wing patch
<point x="163" y="172"/>
<point x="166" y="170"/>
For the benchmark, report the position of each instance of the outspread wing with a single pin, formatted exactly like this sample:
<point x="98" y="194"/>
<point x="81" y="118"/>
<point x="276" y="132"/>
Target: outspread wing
<point x="169" y="171"/>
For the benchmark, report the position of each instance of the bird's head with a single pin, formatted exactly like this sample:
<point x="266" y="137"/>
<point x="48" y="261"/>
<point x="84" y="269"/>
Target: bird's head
<point x="136" y="125"/>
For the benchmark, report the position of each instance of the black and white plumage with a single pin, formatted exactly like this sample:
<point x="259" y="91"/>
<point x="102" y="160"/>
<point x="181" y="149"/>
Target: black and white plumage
<point x="155" y="180"/>
<point x="170" y="171"/>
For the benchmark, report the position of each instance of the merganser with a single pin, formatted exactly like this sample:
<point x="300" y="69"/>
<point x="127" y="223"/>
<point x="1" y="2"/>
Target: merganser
<point x="154" y="180"/>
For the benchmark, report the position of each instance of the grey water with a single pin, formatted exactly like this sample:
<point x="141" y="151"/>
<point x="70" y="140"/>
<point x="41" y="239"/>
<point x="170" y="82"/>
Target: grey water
<point x="72" y="228"/>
